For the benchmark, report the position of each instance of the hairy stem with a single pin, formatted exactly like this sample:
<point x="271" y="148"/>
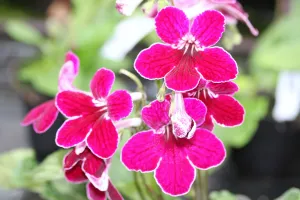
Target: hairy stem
<point x="152" y="194"/>
<point x="138" y="187"/>
<point x="203" y="175"/>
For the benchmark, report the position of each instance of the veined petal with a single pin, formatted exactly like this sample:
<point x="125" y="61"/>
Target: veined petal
<point x="226" y="110"/>
<point x="72" y="103"/>
<point x="113" y="193"/>
<point x="74" y="131"/>
<point x="68" y="72"/>
<point x="100" y="183"/>
<point x="195" y="109"/>
<point x="227" y="88"/>
<point x="208" y="123"/>
<point x="119" y="104"/>
<point x="142" y="151"/>
<point x="102" y="82"/>
<point x="72" y="159"/>
<point x="156" y="61"/>
<point x="156" y="114"/>
<point x="216" y="65"/>
<point x="104" y="138"/>
<point x="205" y="150"/>
<point x="93" y="165"/>
<point x="75" y="174"/>
<point x="175" y="174"/>
<point x="94" y="194"/>
<point x="171" y="25"/>
<point x="208" y="27"/>
<point x="42" y="117"/>
<point x="184" y="76"/>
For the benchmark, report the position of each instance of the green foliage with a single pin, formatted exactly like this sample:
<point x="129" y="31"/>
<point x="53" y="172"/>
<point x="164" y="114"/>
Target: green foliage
<point x="278" y="47"/>
<point x="226" y="195"/>
<point x="23" y="32"/>
<point x="291" y="194"/>
<point x="256" y="108"/>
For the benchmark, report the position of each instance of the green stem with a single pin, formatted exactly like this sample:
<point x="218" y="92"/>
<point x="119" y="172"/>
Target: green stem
<point x="152" y="194"/>
<point x="197" y="186"/>
<point x="134" y="78"/>
<point x="139" y="189"/>
<point x="203" y="175"/>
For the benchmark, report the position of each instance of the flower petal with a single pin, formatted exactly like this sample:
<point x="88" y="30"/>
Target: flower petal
<point x="113" y="193"/>
<point x="195" y="109"/>
<point x="156" y="61"/>
<point x="143" y="151"/>
<point x="72" y="159"/>
<point x="93" y="165"/>
<point x="102" y="82"/>
<point x="205" y="150"/>
<point x="68" y="72"/>
<point x="94" y="194"/>
<point x="156" y="114"/>
<point x="223" y="1"/>
<point x="74" y="131"/>
<point x="208" y="123"/>
<point x="126" y="7"/>
<point x="104" y="138"/>
<point x="75" y="174"/>
<point x="119" y="104"/>
<point x="42" y="116"/>
<point x="226" y="110"/>
<point x="71" y="103"/>
<point x="175" y="174"/>
<point x="216" y="65"/>
<point x="171" y="25"/>
<point x="227" y="88"/>
<point x="184" y="76"/>
<point x="208" y="27"/>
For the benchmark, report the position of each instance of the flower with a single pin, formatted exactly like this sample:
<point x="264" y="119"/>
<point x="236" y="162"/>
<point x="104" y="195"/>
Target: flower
<point x="86" y="167"/>
<point x="172" y="159"/>
<point x="43" y="116"/>
<point x="221" y="106"/>
<point x="126" y="7"/>
<point x="231" y="9"/>
<point x="91" y="116"/>
<point x="187" y="56"/>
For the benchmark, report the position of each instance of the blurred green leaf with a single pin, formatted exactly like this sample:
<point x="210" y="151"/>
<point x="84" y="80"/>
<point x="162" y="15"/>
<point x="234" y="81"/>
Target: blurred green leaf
<point x="278" y="48"/>
<point x="51" y="168"/>
<point x="291" y="194"/>
<point x="23" y="32"/>
<point x="231" y="37"/>
<point x="15" y="167"/>
<point x="226" y="195"/>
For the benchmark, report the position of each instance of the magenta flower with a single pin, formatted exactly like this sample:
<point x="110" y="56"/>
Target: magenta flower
<point x="231" y="9"/>
<point x="221" y="106"/>
<point x="86" y="167"/>
<point x="187" y="56"/>
<point x="172" y="159"/>
<point x="43" y="116"/>
<point x="90" y="117"/>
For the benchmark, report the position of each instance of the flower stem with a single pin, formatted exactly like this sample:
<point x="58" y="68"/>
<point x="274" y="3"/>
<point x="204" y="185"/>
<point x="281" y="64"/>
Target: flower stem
<point x="203" y="180"/>
<point x="151" y="193"/>
<point x="139" y="189"/>
<point x="134" y="78"/>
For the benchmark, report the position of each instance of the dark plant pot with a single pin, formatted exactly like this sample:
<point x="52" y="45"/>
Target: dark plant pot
<point x="269" y="164"/>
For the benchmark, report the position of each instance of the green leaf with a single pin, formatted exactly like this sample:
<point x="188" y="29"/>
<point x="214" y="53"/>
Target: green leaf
<point x="51" y="168"/>
<point x="278" y="47"/>
<point x="226" y="195"/>
<point x="15" y="166"/>
<point x="291" y="194"/>
<point x="23" y="32"/>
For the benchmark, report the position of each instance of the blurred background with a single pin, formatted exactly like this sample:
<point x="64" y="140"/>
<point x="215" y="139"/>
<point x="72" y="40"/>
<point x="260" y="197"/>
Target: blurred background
<point x="263" y="154"/>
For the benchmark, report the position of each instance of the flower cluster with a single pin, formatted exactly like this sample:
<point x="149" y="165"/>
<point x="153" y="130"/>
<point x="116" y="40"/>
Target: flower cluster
<point x="179" y="139"/>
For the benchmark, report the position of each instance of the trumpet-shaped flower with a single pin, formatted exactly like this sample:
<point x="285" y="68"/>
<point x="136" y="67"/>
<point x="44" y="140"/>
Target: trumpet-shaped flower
<point x="187" y="56"/>
<point x="231" y="9"/>
<point x="172" y="159"/>
<point x="221" y="105"/>
<point x="86" y="167"/>
<point x="43" y="116"/>
<point x="90" y="117"/>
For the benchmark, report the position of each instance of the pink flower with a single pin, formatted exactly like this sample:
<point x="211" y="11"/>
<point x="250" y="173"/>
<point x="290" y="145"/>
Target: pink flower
<point x="172" y="159"/>
<point x="86" y="167"/>
<point x="187" y="56"/>
<point x="221" y="106"/>
<point x="231" y="9"/>
<point x="126" y="7"/>
<point x="90" y="117"/>
<point x="43" y="116"/>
